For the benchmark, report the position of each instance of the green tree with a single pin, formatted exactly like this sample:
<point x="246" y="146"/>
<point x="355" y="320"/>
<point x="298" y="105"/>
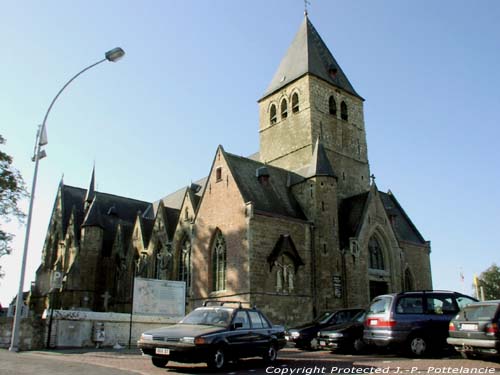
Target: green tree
<point x="12" y="190"/>
<point x="489" y="280"/>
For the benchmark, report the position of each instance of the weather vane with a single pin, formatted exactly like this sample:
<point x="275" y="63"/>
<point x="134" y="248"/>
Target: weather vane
<point x="306" y="3"/>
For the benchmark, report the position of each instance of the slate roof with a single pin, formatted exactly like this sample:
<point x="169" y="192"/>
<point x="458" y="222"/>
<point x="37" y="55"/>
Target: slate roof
<point x="107" y="211"/>
<point x="351" y="216"/>
<point x="320" y="165"/>
<point x="401" y="223"/>
<point x="174" y="200"/>
<point x="272" y="197"/>
<point x="147" y="229"/>
<point x="309" y="54"/>
<point x="72" y="197"/>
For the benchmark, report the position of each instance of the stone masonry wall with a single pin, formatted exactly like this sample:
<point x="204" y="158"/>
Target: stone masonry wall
<point x="418" y="259"/>
<point x="282" y="307"/>
<point x="31" y="333"/>
<point x="344" y="140"/>
<point x="287" y="143"/>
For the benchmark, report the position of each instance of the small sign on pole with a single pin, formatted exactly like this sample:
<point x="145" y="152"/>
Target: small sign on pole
<point x="56" y="280"/>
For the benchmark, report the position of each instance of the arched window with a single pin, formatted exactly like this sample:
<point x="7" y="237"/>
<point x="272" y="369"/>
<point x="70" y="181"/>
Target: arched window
<point x="272" y="116"/>
<point x="408" y="281"/>
<point x="375" y="254"/>
<point x="219" y="263"/>
<point x="284" y="109"/>
<point x="185" y="262"/>
<point x="332" y="106"/>
<point x="343" y="111"/>
<point x="295" y="103"/>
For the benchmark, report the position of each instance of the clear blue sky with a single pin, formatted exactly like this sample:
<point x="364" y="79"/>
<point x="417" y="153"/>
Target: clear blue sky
<point x="429" y="71"/>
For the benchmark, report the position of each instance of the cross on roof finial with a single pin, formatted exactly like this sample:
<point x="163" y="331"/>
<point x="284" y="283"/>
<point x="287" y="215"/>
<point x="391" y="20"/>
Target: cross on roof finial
<point x="306" y="3"/>
<point x="373" y="178"/>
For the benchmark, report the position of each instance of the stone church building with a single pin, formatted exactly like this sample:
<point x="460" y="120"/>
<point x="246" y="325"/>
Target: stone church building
<point x="298" y="228"/>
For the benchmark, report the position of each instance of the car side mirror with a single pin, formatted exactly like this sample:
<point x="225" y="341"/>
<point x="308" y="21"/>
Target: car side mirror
<point x="237" y="325"/>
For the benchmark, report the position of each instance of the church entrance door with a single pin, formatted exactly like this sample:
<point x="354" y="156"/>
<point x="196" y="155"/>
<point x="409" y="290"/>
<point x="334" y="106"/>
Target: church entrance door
<point x="377" y="288"/>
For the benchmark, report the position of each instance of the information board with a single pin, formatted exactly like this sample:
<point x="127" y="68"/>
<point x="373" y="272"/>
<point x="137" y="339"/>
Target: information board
<point x="159" y="297"/>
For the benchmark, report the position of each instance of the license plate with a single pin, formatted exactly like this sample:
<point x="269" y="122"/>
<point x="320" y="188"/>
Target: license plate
<point x="468" y="327"/>
<point x="322" y="343"/>
<point x="373" y="322"/>
<point x="162" y="351"/>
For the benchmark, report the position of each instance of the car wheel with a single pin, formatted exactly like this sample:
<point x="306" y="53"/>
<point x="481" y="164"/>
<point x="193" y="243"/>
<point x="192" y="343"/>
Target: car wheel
<point x="271" y="354"/>
<point x="159" y="361"/>
<point x="358" y="345"/>
<point x="218" y="359"/>
<point x="418" y="345"/>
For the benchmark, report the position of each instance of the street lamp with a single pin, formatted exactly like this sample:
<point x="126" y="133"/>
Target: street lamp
<point x="41" y="139"/>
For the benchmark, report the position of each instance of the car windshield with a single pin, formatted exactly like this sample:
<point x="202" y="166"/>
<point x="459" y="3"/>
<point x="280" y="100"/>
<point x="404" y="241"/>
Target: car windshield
<point x="478" y="312"/>
<point x="209" y="316"/>
<point x="323" y="318"/>
<point x="379" y="305"/>
<point x="359" y="317"/>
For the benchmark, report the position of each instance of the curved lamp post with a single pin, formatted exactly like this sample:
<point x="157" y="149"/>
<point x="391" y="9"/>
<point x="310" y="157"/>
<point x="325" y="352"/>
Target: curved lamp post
<point x="41" y="139"/>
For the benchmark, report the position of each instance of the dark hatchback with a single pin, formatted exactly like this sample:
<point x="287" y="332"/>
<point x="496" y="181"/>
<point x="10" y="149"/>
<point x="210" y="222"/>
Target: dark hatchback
<point x="475" y="330"/>
<point x="416" y="322"/>
<point x="305" y="336"/>
<point x="347" y="337"/>
<point x="214" y="334"/>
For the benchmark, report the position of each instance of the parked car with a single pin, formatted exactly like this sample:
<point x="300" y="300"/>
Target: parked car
<point x="306" y="335"/>
<point x="415" y="321"/>
<point x="475" y="330"/>
<point x="346" y="336"/>
<point x="214" y="334"/>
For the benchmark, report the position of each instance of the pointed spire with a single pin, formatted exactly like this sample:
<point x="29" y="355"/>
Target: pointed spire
<point x="320" y="165"/>
<point x="309" y="54"/>
<point x="91" y="191"/>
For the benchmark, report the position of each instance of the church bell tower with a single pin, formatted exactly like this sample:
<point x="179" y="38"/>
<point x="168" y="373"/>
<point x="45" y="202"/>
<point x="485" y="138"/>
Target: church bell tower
<point x="310" y="97"/>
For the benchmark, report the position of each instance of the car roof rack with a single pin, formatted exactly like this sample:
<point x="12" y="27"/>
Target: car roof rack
<point x="222" y="303"/>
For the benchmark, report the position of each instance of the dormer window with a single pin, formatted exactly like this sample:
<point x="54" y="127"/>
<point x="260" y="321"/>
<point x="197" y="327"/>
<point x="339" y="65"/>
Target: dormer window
<point x="272" y="116"/>
<point x="295" y="103"/>
<point x="343" y="111"/>
<point x="332" y="106"/>
<point x="284" y="109"/>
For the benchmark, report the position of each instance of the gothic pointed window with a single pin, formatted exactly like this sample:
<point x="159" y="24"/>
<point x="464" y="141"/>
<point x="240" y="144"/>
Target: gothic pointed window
<point x="219" y="262"/>
<point x="185" y="262"/>
<point x="272" y="116"/>
<point x="295" y="103"/>
<point x="332" y="106"/>
<point x="284" y="109"/>
<point x="343" y="111"/>
<point x="408" y="281"/>
<point x="376" y="260"/>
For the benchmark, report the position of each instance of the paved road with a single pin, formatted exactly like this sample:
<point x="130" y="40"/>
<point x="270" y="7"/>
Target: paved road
<point x="31" y="363"/>
<point x="291" y="362"/>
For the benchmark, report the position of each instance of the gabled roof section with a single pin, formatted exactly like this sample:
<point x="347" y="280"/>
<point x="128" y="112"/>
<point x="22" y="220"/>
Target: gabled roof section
<point x="350" y="217"/>
<point x="320" y="165"/>
<point x="403" y="227"/>
<point x="175" y="199"/>
<point x="146" y="230"/>
<point x="309" y="54"/>
<point x="108" y="210"/>
<point x="72" y="197"/>
<point x="272" y="196"/>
